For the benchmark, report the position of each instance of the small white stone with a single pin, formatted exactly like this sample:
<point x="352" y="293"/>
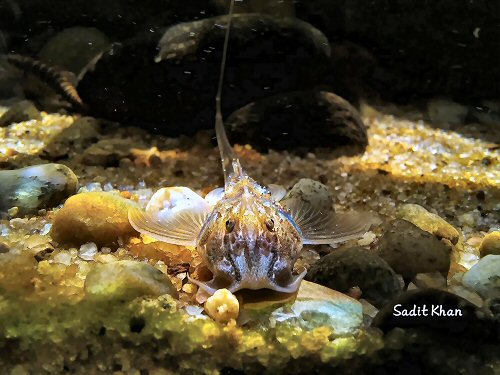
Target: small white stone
<point x="88" y="251"/>
<point x="367" y="239"/>
<point x="64" y="257"/>
<point x="46" y="229"/>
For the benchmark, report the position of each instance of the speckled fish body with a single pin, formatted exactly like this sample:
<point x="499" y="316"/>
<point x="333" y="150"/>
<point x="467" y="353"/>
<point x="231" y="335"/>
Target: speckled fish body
<point x="246" y="237"/>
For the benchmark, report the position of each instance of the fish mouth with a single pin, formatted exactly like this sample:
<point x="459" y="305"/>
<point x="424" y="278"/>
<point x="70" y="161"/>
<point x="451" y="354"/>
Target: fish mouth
<point x="217" y="283"/>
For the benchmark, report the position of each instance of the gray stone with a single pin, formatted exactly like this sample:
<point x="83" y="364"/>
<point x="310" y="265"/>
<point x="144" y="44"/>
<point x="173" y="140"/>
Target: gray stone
<point x="107" y="152"/>
<point x="20" y="111"/>
<point x="127" y="279"/>
<point x="36" y="187"/>
<point x="313" y="192"/>
<point x="484" y="277"/>
<point x="410" y="250"/>
<point x="346" y="268"/>
<point x="72" y="139"/>
<point x="74" y="48"/>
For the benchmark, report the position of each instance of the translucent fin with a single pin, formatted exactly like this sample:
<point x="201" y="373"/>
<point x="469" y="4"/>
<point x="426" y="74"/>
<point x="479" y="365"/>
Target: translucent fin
<point x="214" y="196"/>
<point x="277" y="191"/>
<point x="321" y="227"/>
<point x="179" y="229"/>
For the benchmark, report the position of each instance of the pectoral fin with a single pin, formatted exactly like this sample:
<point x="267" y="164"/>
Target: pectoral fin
<point x="277" y="191"/>
<point x="325" y="227"/>
<point x="181" y="228"/>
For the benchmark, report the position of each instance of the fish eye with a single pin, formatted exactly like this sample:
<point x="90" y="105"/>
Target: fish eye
<point x="269" y="224"/>
<point x="230" y="225"/>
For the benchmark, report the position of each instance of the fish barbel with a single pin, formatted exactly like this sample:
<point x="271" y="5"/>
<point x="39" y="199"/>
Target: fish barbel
<point x="246" y="236"/>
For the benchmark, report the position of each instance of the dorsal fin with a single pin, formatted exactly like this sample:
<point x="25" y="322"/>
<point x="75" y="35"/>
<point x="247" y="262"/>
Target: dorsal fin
<point x="230" y="163"/>
<point x="57" y="79"/>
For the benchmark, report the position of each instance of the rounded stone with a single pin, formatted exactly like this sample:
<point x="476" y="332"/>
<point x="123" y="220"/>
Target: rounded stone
<point x="98" y="217"/>
<point x="127" y="279"/>
<point x="410" y="250"/>
<point x="317" y="306"/>
<point x="313" y="192"/>
<point x="74" y="48"/>
<point x="429" y="222"/>
<point x="277" y="122"/>
<point x="346" y="268"/>
<point x="484" y="277"/>
<point x="490" y="245"/>
<point x="36" y="187"/>
<point x="19" y="112"/>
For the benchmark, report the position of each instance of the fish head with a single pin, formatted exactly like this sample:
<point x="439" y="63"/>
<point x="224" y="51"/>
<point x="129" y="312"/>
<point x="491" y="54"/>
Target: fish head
<point x="250" y="242"/>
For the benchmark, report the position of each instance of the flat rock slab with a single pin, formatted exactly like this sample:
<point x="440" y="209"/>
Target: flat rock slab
<point x="127" y="279"/>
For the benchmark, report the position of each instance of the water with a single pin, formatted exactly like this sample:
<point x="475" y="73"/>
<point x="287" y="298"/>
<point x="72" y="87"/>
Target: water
<point x="389" y="105"/>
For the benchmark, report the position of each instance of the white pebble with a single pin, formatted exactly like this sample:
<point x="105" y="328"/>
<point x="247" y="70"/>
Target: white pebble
<point x="88" y="251"/>
<point x="367" y="239"/>
<point x="64" y="257"/>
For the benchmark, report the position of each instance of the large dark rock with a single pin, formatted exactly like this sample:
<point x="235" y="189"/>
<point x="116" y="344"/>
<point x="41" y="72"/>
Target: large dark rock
<point x="304" y="119"/>
<point x="410" y="250"/>
<point x="28" y="23"/>
<point x="168" y="81"/>
<point x="437" y="310"/>
<point x="343" y="269"/>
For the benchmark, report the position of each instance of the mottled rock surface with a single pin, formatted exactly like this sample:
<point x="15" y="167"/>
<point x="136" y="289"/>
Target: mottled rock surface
<point x="484" y="277"/>
<point x="127" y="279"/>
<point x="410" y="250"/>
<point x="346" y="268"/>
<point x="36" y="187"/>
<point x="311" y="191"/>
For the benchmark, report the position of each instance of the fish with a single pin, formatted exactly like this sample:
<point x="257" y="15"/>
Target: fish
<point x="248" y="236"/>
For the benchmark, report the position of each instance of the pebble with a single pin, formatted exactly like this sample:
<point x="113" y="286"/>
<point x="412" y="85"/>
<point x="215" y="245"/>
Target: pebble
<point x="97" y="217"/>
<point x="107" y="152"/>
<point x="318" y="306"/>
<point x="277" y="122"/>
<point x="484" y="277"/>
<point x="4" y="248"/>
<point x="429" y="222"/>
<point x="36" y="187"/>
<point x="313" y="192"/>
<point x="88" y="251"/>
<point x="410" y="250"/>
<point x="19" y="112"/>
<point x="346" y="268"/>
<point x="73" y="48"/>
<point x="490" y="244"/>
<point x="222" y="306"/>
<point x="430" y="280"/>
<point x="127" y="279"/>
<point x="446" y="111"/>
<point x="73" y="139"/>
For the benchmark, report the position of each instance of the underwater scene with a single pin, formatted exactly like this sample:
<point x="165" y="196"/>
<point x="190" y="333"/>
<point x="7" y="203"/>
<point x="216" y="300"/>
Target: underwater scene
<point x="232" y="187"/>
